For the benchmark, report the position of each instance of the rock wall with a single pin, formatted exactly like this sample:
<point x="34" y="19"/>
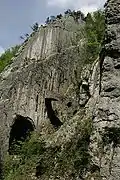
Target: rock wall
<point x="48" y="65"/>
<point x="105" y="140"/>
<point x="50" y="68"/>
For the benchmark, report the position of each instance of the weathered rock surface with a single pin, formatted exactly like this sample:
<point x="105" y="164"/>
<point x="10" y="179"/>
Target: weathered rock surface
<point x="50" y="74"/>
<point x="105" y="140"/>
<point x="48" y="65"/>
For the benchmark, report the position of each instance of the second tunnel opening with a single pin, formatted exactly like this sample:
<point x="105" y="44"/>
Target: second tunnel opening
<point x="55" y="121"/>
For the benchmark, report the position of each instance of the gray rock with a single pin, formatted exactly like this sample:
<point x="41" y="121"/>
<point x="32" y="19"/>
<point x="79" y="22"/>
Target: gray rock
<point x="105" y="145"/>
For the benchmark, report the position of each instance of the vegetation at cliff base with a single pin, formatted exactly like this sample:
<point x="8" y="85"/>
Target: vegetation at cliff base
<point x="34" y="160"/>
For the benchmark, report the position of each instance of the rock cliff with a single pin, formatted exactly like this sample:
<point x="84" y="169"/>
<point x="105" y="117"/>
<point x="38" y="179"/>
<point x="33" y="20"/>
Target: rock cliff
<point x="105" y="139"/>
<point x="50" y="87"/>
<point x="43" y="82"/>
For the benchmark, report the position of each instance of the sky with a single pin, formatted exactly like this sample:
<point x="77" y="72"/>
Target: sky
<point x="16" y="16"/>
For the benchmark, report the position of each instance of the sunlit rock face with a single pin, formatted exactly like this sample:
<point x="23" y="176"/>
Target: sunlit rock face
<point x="51" y="88"/>
<point x="47" y="66"/>
<point x="105" y="141"/>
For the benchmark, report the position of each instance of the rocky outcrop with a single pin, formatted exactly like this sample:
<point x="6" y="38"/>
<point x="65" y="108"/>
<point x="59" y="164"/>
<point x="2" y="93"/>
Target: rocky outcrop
<point x="52" y="87"/>
<point x="47" y="66"/>
<point x="105" y="140"/>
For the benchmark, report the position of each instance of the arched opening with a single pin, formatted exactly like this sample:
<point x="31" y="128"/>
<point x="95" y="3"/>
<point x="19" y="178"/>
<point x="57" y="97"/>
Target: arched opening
<point x="20" y="131"/>
<point x="55" y="121"/>
<point x="69" y="104"/>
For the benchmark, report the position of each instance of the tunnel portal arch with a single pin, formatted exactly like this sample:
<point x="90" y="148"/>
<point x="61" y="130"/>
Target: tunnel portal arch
<point x="55" y="121"/>
<point x="20" y="131"/>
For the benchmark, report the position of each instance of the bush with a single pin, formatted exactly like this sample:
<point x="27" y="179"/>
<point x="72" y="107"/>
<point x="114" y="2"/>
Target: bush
<point x="95" y="30"/>
<point x="6" y="58"/>
<point x="21" y="165"/>
<point x="34" y="159"/>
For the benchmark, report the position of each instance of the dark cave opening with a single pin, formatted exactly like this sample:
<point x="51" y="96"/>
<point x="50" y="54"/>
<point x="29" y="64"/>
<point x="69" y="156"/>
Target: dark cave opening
<point x="55" y="121"/>
<point x="69" y="104"/>
<point x="20" y="131"/>
<point x="74" y="112"/>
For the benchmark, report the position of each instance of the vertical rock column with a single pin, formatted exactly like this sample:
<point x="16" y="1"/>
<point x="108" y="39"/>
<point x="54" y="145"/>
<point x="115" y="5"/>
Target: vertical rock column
<point x="105" y="141"/>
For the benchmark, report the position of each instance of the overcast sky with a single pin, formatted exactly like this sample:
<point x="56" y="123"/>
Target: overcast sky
<point x="16" y="16"/>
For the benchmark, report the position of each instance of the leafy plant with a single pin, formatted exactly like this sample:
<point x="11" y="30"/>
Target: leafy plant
<point x="20" y="165"/>
<point x="34" y="159"/>
<point x="95" y="30"/>
<point x="6" y="58"/>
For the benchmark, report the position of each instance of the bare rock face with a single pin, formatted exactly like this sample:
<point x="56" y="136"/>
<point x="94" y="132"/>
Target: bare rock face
<point x="42" y="84"/>
<point x="51" y="88"/>
<point x="105" y="140"/>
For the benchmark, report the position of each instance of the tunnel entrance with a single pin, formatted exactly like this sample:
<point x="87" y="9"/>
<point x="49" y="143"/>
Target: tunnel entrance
<point x="55" y="121"/>
<point x="20" y="131"/>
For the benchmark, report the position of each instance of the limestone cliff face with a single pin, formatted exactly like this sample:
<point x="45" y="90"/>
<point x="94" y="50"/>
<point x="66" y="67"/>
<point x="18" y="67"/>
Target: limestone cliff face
<point x="47" y="67"/>
<point x="50" y="84"/>
<point x="106" y="113"/>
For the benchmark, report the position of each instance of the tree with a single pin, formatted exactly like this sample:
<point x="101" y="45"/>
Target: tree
<point x="47" y="20"/>
<point x="35" y="27"/>
<point x="95" y="30"/>
<point x="59" y="16"/>
<point x="77" y="15"/>
<point x="26" y="35"/>
<point x="52" y="18"/>
<point x="95" y="24"/>
<point x="80" y="15"/>
<point x="5" y="58"/>
<point x="22" y="38"/>
<point x="68" y="12"/>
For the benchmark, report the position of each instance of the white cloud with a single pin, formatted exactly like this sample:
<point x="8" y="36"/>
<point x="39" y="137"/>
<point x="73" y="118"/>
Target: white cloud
<point x="60" y="3"/>
<point x="84" y="5"/>
<point x="86" y="9"/>
<point x="1" y="51"/>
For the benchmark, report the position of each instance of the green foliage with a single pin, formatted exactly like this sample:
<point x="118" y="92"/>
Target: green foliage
<point x="20" y="165"/>
<point x="95" y="30"/>
<point x="35" y="159"/>
<point x="5" y="58"/>
<point x="69" y="161"/>
<point x="32" y="157"/>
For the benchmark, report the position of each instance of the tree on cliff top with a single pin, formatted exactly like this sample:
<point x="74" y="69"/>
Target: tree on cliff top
<point x="35" y="27"/>
<point x="95" y="30"/>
